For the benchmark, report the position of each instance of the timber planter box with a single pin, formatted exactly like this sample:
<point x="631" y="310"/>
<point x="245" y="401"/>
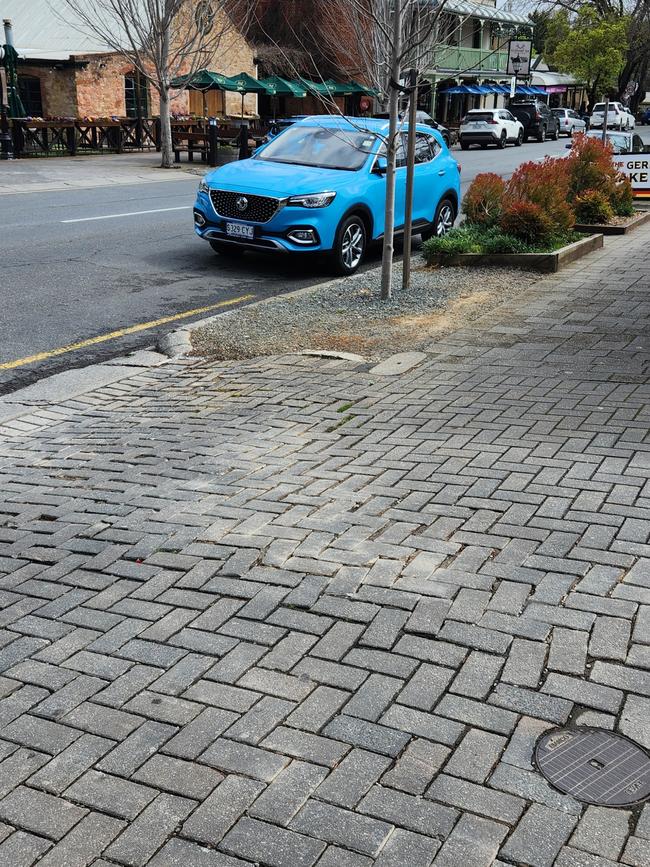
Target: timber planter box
<point x="622" y="228"/>
<point x="546" y="262"/>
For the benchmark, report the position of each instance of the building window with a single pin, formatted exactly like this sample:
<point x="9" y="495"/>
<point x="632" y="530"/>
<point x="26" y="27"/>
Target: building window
<point x="136" y="95"/>
<point x="477" y="34"/>
<point x="29" y="89"/>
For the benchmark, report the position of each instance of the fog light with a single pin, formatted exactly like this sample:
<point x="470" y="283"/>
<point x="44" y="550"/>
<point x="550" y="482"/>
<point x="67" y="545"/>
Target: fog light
<point x="199" y="219"/>
<point x="302" y="236"/>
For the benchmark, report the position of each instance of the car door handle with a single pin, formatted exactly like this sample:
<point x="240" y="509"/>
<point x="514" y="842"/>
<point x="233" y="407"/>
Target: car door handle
<point x="441" y="172"/>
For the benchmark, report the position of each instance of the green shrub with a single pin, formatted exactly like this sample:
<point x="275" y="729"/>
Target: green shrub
<point x="483" y="201"/>
<point x="593" y="207"/>
<point x="485" y="241"/>
<point x="622" y="198"/>
<point x="528" y="222"/>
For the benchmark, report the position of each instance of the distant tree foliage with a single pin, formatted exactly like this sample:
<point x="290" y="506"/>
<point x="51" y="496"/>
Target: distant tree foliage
<point x="592" y="48"/>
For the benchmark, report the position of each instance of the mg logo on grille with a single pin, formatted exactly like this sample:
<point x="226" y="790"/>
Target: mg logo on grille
<point x="242" y="203"/>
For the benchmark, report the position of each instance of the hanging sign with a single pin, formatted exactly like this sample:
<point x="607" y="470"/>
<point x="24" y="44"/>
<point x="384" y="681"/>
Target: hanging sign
<point x="519" y="51"/>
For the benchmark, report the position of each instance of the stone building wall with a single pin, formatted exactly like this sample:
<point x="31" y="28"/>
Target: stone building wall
<point x="95" y="87"/>
<point x="58" y="90"/>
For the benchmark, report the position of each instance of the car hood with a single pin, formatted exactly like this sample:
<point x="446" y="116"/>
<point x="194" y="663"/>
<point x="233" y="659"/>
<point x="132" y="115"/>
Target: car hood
<point x="277" y="179"/>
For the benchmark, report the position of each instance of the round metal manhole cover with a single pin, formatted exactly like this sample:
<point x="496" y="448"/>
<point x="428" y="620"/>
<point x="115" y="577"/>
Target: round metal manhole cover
<point x="595" y="766"/>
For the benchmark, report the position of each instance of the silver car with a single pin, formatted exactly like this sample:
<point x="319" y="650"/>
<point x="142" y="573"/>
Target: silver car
<point x="570" y="121"/>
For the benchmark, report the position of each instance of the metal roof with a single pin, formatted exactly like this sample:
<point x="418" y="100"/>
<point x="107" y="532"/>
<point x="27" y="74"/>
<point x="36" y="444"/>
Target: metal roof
<point x="488" y="13"/>
<point x="552" y="78"/>
<point x="42" y="33"/>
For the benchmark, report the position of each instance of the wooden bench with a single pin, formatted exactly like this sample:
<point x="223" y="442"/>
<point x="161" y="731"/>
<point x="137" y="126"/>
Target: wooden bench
<point x="190" y="143"/>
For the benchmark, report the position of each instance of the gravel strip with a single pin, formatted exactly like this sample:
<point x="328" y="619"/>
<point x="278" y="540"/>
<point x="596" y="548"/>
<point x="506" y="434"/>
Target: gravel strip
<point x="348" y="314"/>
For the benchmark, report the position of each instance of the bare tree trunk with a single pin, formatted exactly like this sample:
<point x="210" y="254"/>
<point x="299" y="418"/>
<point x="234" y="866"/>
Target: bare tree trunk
<point x="391" y="155"/>
<point x="167" y="156"/>
<point x="165" y="118"/>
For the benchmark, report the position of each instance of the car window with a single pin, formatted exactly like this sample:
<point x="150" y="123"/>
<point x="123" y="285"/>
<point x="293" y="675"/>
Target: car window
<point x="426" y="147"/>
<point x="479" y="115"/>
<point x="401" y="151"/>
<point x="637" y="144"/>
<point x="322" y="147"/>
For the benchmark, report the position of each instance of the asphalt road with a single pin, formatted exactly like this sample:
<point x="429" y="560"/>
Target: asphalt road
<point x="78" y="264"/>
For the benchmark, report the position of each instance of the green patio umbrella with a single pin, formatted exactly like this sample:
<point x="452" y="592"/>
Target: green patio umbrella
<point x="278" y="86"/>
<point x="245" y="83"/>
<point x="10" y="63"/>
<point x="204" y="80"/>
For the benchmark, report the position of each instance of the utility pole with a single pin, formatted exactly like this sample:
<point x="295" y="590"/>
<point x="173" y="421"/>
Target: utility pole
<point x="410" y="174"/>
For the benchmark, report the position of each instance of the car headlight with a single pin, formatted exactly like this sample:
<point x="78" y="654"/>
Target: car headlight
<point x="203" y="186"/>
<point x="314" y="200"/>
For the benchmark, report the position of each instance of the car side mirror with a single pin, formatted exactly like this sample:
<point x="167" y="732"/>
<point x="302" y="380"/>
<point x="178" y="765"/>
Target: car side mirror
<point x="381" y="166"/>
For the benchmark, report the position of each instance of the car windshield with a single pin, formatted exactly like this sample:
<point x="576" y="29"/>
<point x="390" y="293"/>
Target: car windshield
<point x="600" y="106"/>
<point x="559" y="112"/>
<point x="621" y="143"/>
<point x="479" y="115"/>
<point x="321" y="147"/>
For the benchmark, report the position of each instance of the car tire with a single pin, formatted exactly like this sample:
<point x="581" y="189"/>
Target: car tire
<point x="556" y="134"/>
<point x="571" y="132"/>
<point x="541" y="135"/>
<point x="464" y="146"/>
<point x="349" y="246"/>
<point x="503" y="140"/>
<point x="230" y="251"/>
<point x="443" y="220"/>
<point x="484" y="145"/>
<point x="519" y="140"/>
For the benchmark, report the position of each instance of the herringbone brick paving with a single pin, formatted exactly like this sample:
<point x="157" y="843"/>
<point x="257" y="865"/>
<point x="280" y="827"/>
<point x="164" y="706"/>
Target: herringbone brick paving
<point x="291" y="613"/>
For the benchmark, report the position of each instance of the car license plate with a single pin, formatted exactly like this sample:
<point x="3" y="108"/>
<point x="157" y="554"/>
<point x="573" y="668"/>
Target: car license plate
<point x="238" y="230"/>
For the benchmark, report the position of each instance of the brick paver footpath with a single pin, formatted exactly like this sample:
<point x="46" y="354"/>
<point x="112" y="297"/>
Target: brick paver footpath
<point x="293" y="613"/>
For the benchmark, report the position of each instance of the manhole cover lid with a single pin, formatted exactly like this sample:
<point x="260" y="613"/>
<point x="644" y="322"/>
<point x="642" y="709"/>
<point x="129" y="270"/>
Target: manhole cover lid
<point x="595" y="766"/>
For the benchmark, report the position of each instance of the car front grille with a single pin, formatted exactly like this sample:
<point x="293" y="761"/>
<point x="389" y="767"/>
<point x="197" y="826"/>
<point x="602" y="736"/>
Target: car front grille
<point x="244" y="206"/>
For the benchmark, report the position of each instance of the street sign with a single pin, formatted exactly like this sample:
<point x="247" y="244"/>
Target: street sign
<point x="519" y="51"/>
<point x="636" y="167"/>
<point x="513" y="86"/>
<point x="4" y="93"/>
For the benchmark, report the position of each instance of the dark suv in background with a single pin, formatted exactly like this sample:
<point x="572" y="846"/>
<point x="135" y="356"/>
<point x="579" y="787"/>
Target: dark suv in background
<point x="538" y="120"/>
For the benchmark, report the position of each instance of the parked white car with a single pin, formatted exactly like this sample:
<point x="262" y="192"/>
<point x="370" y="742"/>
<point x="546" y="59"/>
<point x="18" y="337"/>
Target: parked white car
<point x="570" y="121"/>
<point x="484" y="126"/>
<point x="618" y="117"/>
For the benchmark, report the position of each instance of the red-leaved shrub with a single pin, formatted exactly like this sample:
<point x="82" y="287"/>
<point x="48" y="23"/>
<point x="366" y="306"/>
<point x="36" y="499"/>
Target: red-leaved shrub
<point x="545" y="185"/>
<point x="528" y="222"/>
<point x="593" y="207"/>
<point x="483" y="201"/>
<point x="590" y="167"/>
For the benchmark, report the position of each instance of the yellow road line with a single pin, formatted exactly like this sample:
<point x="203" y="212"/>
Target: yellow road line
<point x="122" y="332"/>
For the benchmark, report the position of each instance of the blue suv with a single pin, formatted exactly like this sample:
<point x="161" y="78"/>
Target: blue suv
<point x="320" y="185"/>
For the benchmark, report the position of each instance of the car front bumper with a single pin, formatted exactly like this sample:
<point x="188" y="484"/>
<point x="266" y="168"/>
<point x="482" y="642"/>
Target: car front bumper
<point x="281" y="234"/>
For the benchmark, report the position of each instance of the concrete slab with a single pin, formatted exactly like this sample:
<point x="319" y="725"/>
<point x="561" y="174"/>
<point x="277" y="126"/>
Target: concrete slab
<point x="399" y="363"/>
<point x="68" y="384"/>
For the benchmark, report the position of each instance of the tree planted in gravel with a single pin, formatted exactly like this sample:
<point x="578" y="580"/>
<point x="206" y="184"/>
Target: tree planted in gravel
<point x="388" y="37"/>
<point x="161" y="39"/>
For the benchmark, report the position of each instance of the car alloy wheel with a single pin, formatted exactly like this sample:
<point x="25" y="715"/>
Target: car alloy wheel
<point x="444" y="218"/>
<point x="350" y="245"/>
<point x="520" y="138"/>
<point x="503" y="139"/>
<point x="542" y="135"/>
<point x="572" y="131"/>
